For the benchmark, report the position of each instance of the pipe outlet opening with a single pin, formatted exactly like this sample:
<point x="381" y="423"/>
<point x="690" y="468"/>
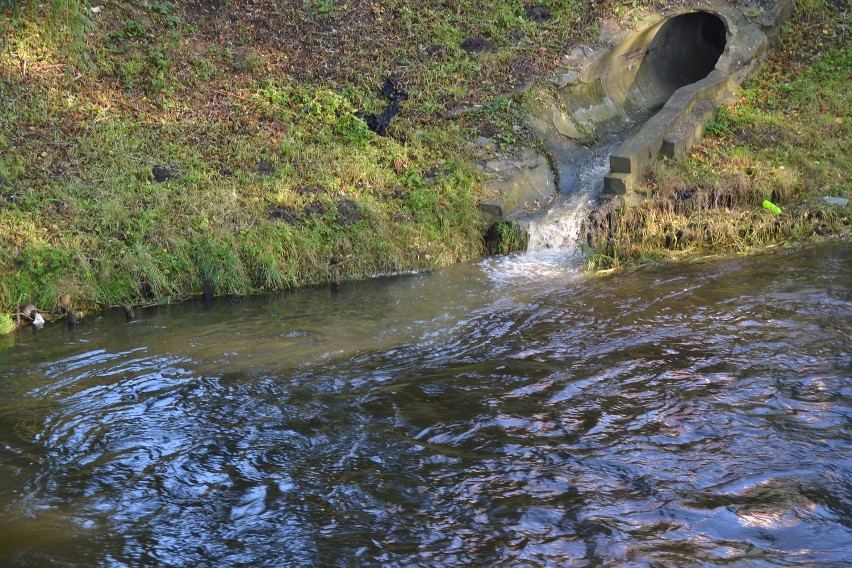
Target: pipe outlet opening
<point x="685" y="49"/>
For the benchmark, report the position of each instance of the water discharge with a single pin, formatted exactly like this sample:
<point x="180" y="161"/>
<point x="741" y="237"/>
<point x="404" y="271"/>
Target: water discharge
<point x="509" y="412"/>
<point x="558" y="229"/>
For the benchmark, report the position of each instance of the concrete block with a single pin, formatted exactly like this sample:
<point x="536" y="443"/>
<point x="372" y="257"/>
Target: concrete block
<point x="622" y="164"/>
<point x="688" y="130"/>
<point x="491" y="209"/>
<point x="617" y="184"/>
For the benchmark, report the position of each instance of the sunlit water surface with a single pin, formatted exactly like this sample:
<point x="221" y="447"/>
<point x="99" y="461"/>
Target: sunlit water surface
<point x="505" y="413"/>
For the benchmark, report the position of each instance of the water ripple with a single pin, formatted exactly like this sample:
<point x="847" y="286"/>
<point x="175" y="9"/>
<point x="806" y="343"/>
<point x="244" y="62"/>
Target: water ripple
<point x="686" y="416"/>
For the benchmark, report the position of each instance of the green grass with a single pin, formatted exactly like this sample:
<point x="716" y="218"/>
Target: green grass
<point x="6" y="324"/>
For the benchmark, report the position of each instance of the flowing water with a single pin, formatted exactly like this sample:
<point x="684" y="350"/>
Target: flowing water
<point x="504" y="413"/>
<point x="581" y="170"/>
<point x="558" y="227"/>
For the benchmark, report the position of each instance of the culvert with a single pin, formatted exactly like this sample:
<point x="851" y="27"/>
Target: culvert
<point x="642" y="89"/>
<point x="680" y="72"/>
<point x="643" y="71"/>
<point x="684" y="49"/>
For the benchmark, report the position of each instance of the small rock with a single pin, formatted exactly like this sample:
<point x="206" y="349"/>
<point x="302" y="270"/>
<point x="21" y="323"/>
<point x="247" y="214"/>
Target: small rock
<point x="478" y="44"/>
<point x="163" y="173"/>
<point x="491" y="207"/>
<point x="485" y="143"/>
<point x="836" y="201"/>
<point x="538" y="14"/>
<point x="265" y="168"/>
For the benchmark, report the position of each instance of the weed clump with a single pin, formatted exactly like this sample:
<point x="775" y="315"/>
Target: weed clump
<point x="505" y="237"/>
<point x="7" y="325"/>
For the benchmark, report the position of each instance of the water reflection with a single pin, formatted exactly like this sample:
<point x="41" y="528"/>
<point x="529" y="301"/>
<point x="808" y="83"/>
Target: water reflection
<point x="477" y="416"/>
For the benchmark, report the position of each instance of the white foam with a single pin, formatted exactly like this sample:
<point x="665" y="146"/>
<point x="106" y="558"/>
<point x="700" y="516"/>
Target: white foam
<point x="559" y="228"/>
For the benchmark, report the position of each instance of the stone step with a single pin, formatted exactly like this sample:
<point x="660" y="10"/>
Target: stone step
<point x="616" y="184"/>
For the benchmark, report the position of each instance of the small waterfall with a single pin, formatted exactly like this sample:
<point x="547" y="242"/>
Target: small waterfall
<point x="559" y="228"/>
<point x="554" y="234"/>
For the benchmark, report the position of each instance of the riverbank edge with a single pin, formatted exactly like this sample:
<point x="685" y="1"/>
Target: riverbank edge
<point x="425" y="263"/>
<point x="612" y="259"/>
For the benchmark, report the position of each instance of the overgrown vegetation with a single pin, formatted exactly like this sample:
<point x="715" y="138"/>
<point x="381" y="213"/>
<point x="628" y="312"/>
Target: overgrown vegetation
<point x="786" y="139"/>
<point x="7" y="324"/>
<point x="504" y="237"/>
<point x="148" y="146"/>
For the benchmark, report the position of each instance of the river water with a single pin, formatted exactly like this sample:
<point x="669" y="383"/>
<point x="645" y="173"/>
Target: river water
<point x="509" y="412"/>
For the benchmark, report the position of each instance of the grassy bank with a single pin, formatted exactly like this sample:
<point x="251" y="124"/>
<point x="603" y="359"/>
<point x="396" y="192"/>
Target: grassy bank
<point x="146" y="147"/>
<point x="149" y="147"/>
<point x="786" y="139"/>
